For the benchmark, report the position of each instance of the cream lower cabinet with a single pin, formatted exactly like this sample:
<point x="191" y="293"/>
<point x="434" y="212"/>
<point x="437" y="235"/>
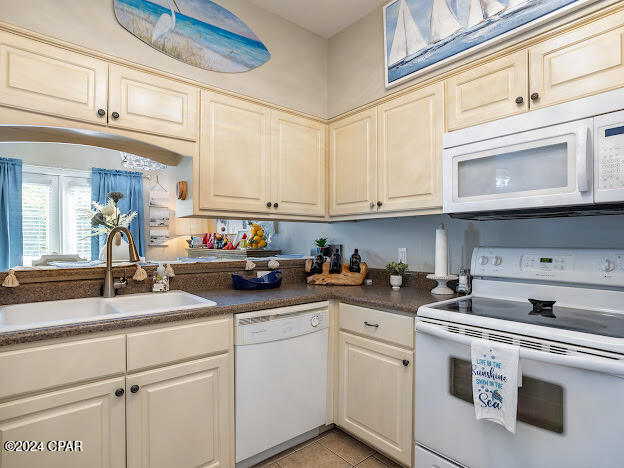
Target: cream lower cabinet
<point x="90" y="414"/>
<point x="180" y="415"/>
<point x="488" y="92"/>
<point x="410" y="150"/>
<point x="375" y="385"/>
<point x="584" y="61"/>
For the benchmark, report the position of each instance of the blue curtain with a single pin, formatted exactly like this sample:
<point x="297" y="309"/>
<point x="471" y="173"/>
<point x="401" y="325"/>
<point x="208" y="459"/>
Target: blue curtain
<point x="104" y="181"/>
<point x="11" y="238"/>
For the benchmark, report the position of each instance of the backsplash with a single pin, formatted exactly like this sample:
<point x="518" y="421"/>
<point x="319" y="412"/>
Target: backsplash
<point x="378" y="239"/>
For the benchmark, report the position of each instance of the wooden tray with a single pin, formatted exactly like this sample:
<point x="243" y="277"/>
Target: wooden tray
<point x="345" y="278"/>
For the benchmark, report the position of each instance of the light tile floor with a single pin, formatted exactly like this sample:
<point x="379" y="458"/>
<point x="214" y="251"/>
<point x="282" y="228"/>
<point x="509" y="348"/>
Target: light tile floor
<point x="332" y="449"/>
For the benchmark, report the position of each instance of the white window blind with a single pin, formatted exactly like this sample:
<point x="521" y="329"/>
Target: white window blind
<point x="54" y="206"/>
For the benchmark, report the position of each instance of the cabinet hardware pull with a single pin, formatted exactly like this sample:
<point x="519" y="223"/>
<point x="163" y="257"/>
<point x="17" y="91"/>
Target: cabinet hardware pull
<point x="405" y="362"/>
<point x="269" y="204"/>
<point x="134" y="388"/>
<point x="372" y="205"/>
<point x="119" y="392"/>
<point x="534" y="96"/>
<point x="115" y="115"/>
<point x="275" y="205"/>
<point x="101" y="112"/>
<point x="376" y="325"/>
<point x="379" y="203"/>
<point x="519" y="100"/>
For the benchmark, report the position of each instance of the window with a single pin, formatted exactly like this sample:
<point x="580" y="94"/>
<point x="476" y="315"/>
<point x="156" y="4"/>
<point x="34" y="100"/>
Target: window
<point x="54" y="202"/>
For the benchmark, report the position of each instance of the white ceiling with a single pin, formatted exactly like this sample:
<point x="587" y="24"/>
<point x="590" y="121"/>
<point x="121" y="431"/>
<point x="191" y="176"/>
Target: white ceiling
<point x="323" y="17"/>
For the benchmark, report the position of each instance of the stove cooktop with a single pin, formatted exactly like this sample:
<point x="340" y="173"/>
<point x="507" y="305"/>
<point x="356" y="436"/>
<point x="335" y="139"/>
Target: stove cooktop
<point x="578" y="320"/>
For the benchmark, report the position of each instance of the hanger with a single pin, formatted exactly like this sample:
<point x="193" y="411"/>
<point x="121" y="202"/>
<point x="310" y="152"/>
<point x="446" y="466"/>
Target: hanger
<point x="158" y="184"/>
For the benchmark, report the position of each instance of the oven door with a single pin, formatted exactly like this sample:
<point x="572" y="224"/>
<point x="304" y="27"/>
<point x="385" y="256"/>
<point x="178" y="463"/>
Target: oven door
<point x="570" y="411"/>
<point x="550" y="166"/>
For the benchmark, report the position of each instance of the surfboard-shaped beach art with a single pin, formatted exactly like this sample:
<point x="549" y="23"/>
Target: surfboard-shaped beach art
<point x="198" y="32"/>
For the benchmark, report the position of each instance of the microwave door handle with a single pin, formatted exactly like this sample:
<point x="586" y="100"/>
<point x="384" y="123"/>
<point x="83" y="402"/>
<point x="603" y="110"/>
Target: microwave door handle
<point x="583" y="157"/>
<point x="603" y="365"/>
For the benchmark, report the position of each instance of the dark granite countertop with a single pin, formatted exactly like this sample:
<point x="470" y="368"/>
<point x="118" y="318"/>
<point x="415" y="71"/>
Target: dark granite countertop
<point x="405" y="301"/>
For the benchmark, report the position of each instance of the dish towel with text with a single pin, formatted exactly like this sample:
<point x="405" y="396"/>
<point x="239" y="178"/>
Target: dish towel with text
<point x="496" y="376"/>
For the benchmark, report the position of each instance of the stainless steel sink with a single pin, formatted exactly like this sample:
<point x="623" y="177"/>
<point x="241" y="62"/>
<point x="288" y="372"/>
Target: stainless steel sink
<point x="54" y="313"/>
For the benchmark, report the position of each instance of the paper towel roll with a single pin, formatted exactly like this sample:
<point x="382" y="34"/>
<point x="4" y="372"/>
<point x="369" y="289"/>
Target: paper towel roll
<point x="441" y="251"/>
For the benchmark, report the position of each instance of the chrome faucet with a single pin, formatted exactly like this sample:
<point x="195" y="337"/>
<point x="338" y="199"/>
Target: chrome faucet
<point x="110" y="286"/>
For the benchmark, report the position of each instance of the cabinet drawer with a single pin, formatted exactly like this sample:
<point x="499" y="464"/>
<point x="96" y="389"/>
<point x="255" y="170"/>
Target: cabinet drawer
<point x="33" y="369"/>
<point x="166" y="345"/>
<point x="385" y="326"/>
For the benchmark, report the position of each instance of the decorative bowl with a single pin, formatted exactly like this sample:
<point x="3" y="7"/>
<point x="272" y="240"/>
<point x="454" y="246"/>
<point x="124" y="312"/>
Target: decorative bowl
<point x="268" y="281"/>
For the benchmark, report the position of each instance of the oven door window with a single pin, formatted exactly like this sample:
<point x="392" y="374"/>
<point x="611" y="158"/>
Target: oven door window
<point x="540" y="403"/>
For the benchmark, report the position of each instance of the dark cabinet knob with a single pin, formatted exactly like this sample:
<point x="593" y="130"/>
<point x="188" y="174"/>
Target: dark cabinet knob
<point x="275" y="205"/>
<point x="269" y="204"/>
<point x="119" y="392"/>
<point x="405" y="362"/>
<point x="519" y="100"/>
<point x="134" y="388"/>
<point x="115" y="115"/>
<point x="534" y="96"/>
<point x="101" y="112"/>
<point x="379" y="203"/>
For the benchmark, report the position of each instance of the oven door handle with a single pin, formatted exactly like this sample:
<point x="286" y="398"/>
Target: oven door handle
<point x="603" y="365"/>
<point x="583" y="157"/>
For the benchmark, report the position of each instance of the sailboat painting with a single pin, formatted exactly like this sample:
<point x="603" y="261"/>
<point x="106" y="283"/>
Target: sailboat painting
<point x="198" y="32"/>
<point x="423" y="34"/>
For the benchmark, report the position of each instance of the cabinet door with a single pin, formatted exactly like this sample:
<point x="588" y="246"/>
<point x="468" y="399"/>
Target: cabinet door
<point x="152" y="104"/>
<point x="410" y="150"/>
<point x="584" y="61"/>
<point x="298" y="165"/>
<point x="182" y="415"/>
<point x="234" y="155"/>
<point x="353" y="164"/>
<point x="42" y="78"/>
<point x="487" y="92"/>
<point x="375" y="394"/>
<point x="90" y="414"/>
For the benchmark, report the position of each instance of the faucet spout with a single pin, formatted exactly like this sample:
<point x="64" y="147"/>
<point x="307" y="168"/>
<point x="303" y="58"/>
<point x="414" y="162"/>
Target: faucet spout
<point x="109" y="284"/>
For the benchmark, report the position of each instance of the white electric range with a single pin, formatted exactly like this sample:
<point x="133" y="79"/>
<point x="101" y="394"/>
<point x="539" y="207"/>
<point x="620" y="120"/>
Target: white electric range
<point x="571" y="339"/>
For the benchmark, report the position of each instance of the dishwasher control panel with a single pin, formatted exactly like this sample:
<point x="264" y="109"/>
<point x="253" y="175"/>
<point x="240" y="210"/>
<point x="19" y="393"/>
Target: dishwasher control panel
<point x="274" y="326"/>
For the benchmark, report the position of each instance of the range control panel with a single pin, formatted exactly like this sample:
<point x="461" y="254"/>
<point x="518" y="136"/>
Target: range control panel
<point x="581" y="266"/>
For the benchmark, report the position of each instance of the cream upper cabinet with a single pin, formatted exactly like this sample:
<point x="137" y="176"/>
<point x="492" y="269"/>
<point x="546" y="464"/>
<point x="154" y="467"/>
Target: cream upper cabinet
<point x="91" y="414"/>
<point x="181" y="415"/>
<point x="584" y="61"/>
<point x="298" y="154"/>
<point x="353" y="164"/>
<point x="52" y="80"/>
<point x="234" y="160"/>
<point x="410" y="150"/>
<point x="375" y="394"/>
<point x="487" y="92"/>
<point x="154" y="104"/>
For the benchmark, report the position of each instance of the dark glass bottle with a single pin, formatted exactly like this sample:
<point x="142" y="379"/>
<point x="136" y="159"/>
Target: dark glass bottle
<point x="354" y="263"/>
<point x="317" y="265"/>
<point x="335" y="263"/>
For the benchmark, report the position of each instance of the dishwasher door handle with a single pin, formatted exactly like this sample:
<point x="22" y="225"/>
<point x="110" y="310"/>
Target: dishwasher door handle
<point x="375" y="325"/>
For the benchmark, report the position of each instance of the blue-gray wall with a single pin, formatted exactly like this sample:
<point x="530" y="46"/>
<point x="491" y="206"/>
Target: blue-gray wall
<point x="379" y="239"/>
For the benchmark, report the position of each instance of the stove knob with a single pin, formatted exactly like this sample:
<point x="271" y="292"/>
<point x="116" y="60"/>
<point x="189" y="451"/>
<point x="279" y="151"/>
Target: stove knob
<point x="497" y="260"/>
<point x="607" y="265"/>
<point x="483" y="260"/>
<point x="315" y="321"/>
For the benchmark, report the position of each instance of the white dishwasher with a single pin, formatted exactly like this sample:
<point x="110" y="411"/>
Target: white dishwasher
<point x="281" y="375"/>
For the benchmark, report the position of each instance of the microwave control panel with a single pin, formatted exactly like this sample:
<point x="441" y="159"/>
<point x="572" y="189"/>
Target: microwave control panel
<point x="611" y="157"/>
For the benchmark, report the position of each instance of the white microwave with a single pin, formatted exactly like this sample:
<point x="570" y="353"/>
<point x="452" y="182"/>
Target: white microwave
<point x="561" y="159"/>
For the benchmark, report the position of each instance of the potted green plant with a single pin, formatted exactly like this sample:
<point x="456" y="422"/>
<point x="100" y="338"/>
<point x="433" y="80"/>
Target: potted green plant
<point x="396" y="270"/>
<point x="320" y="243"/>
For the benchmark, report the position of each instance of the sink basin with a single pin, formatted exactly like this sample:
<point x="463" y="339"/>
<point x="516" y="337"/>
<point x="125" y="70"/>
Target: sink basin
<point x="54" y="313"/>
